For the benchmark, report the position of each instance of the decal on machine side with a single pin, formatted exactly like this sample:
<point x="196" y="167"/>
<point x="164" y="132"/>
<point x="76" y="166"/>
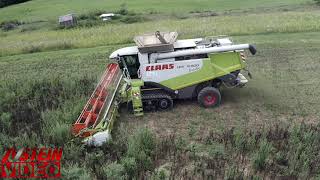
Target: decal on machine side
<point x="163" y="71"/>
<point x="159" y="67"/>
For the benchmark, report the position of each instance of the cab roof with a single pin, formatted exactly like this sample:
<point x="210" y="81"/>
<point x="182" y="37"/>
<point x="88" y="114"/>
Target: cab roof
<point x="133" y="50"/>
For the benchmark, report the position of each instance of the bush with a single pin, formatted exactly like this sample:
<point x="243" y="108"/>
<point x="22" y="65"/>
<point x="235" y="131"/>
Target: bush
<point x="123" y="9"/>
<point x="91" y="15"/>
<point x="317" y="1"/>
<point x="10" y="25"/>
<point x="89" y="19"/>
<point x="132" y="19"/>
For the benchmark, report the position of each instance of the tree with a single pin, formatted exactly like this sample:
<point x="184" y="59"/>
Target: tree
<point x="4" y="3"/>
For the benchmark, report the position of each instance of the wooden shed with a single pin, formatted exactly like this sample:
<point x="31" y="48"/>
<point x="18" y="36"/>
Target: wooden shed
<point x="68" y="20"/>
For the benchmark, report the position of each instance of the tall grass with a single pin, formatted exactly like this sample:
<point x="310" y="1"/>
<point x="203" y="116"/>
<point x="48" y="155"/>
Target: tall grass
<point x="111" y="34"/>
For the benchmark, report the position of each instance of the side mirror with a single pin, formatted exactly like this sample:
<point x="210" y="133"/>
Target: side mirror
<point x="118" y="58"/>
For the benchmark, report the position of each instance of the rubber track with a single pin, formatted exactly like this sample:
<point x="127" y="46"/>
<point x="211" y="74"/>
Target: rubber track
<point x="156" y="96"/>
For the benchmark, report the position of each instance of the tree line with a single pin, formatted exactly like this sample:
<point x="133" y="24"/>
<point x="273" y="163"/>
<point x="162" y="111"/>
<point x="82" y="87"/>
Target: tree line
<point x="4" y="3"/>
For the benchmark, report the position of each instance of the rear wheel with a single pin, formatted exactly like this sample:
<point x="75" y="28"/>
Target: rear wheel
<point x="209" y="97"/>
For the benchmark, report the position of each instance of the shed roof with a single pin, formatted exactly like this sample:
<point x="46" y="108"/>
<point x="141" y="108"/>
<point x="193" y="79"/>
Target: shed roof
<point x="68" y="17"/>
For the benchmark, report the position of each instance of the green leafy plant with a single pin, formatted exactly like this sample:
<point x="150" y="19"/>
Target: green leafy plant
<point x="74" y="172"/>
<point x="114" y="171"/>
<point x="261" y="156"/>
<point x="141" y="147"/>
<point x="130" y="166"/>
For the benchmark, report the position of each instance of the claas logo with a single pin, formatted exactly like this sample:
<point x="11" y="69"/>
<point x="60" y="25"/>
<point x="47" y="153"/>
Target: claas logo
<point x="159" y="67"/>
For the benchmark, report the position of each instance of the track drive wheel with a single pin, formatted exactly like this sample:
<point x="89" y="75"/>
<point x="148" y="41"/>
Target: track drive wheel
<point x="165" y="103"/>
<point x="209" y="97"/>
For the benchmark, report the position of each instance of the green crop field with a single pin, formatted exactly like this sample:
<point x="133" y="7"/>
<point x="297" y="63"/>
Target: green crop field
<point x="47" y="10"/>
<point x="267" y="129"/>
<point x="289" y="22"/>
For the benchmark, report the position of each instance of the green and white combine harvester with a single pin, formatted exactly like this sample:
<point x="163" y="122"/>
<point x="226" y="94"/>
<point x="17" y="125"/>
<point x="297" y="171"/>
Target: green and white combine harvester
<point x="155" y="72"/>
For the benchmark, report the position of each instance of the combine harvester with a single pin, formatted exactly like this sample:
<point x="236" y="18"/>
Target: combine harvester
<point x="158" y="70"/>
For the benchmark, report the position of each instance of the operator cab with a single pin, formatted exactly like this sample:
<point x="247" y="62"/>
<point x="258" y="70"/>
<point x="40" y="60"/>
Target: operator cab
<point x="129" y="56"/>
<point x="132" y="64"/>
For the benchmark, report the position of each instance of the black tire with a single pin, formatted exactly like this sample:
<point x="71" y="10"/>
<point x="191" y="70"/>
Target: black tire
<point x="165" y="104"/>
<point x="209" y="97"/>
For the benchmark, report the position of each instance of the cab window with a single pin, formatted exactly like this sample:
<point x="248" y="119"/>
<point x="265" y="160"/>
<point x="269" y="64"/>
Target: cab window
<point x="132" y="63"/>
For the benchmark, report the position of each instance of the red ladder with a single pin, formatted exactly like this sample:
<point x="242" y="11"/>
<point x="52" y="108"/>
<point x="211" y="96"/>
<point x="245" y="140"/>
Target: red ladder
<point x="90" y="113"/>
